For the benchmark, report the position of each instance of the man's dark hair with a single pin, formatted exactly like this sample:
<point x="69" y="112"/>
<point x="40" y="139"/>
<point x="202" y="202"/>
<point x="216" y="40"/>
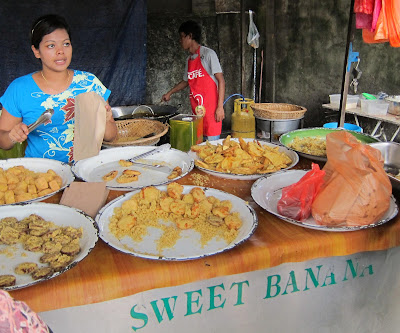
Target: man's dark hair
<point x="191" y="28"/>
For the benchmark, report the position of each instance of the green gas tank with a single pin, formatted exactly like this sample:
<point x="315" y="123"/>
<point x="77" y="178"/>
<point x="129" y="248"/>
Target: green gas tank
<point x="243" y="121"/>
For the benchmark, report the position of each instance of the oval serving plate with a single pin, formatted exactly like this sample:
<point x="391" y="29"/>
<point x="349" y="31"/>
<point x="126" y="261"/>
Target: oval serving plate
<point x="12" y="255"/>
<point x="291" y="153"/>
<point x="94" y="168"/>
<point x="319" y="132"/>
<point x="188" y="246"/>
<point x="267" y="191"/>
<point x="42" y="165"/>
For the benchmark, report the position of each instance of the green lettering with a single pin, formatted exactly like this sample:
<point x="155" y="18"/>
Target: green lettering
<point x="327" y="277"/>
<point x="240" y="291"/>
<point x="270" y="285"/>
<point x="166" y="307"/>
<point x="370" y="270"/>
<point x="189" y="302"/>
<point x="291" y="282"/>
<point x="352" y="269"/>
<point x="213" y="296"/>
<point x="314" y="279"/>
<point x="139" y="316"/>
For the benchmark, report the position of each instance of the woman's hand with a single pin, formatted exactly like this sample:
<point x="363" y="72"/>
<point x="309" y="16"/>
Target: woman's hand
<point x="111" y="128"/>
<point x="19" y="133"/>
<point x="109" y="116"/>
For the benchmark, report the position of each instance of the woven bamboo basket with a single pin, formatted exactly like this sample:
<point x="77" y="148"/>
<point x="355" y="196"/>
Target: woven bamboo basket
<point x="278" y="111"/>
<point x="132" y="131"/>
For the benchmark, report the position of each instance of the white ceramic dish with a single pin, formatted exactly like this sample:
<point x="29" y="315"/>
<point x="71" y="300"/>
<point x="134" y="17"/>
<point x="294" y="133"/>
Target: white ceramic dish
<point x="267" y="191"/>
<point x="12" y="255"/>
<point x="42" y="165"/>
<point x="94" y="168"/>
<point x="188" y="246"/>
<point x="291" y="153"/>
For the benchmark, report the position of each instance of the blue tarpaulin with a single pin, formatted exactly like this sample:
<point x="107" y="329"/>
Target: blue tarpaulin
<point x="108" y="39"/>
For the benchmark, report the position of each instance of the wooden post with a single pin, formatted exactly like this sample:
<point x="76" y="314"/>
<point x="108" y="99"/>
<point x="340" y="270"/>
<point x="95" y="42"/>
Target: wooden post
<point x="346" y="71"/>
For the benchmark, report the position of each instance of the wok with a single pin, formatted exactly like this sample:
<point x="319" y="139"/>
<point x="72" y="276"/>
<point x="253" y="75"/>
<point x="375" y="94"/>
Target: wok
<point x="161" y="113"/>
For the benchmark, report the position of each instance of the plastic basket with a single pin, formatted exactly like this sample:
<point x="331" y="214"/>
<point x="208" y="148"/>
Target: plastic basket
<point x="278" y="111"/>
<point x="132" y="131"/>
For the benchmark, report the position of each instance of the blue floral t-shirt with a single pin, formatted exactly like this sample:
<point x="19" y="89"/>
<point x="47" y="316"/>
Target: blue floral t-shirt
<point x="54" y="139"/>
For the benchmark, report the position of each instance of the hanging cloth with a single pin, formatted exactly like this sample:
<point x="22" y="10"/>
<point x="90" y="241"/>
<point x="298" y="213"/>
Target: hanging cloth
<point x="364" y="12"/>
<point x="387" y="25"/>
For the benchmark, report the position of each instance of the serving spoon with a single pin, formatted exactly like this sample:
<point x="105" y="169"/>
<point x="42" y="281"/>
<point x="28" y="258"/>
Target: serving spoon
<point x="45" y="116"/>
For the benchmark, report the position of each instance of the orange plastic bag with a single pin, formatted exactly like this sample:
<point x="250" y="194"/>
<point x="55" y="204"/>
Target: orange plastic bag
<point x="297" y="198"/>
<point x="357" y="189"/>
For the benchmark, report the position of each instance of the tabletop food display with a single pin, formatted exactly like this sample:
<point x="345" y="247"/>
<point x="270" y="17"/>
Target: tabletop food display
<point x="151" y="213"/>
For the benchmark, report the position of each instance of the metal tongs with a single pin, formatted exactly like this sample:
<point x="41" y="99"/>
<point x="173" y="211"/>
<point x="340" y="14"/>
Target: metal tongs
<point x="45" y="116"/>
<point x="159" y="149"/>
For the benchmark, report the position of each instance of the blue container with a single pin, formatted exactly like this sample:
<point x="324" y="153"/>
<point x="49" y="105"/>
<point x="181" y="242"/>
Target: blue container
<point x="350" y="127"/>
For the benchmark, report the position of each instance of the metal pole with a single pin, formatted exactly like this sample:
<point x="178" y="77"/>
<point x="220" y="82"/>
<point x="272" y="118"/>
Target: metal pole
<point x="346" y="72"/>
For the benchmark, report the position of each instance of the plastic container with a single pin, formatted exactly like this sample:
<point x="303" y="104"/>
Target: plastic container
<point x="351" y="102"/>
<point x="185" y="131"/>
<point x="350" y="127"/>
<point x="394" y="105"/>
<point x="243" y="121"/>
<point x="374" y="106"/>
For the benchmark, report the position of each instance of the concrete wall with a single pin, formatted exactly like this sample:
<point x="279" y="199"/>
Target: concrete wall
<point x="303" y="45"/>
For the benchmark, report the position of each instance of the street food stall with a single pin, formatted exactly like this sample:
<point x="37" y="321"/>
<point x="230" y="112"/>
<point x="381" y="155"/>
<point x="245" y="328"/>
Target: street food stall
<point x="150" y="237"/>
<point x="278" y="268"/>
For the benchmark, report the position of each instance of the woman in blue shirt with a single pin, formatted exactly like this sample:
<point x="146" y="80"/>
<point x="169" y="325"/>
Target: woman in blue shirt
<point x="56" y="87"/>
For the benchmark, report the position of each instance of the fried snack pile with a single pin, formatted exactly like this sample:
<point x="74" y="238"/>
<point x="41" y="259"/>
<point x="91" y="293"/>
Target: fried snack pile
<point x="241" y="157"/>
<point x="309" y="145"/>
<point x="20" y="184"/>
<point x="58" y="245"/>
<point x="151" y="207"/>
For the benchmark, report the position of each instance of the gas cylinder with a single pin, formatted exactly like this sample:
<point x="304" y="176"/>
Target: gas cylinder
<point x="243" y="121"/>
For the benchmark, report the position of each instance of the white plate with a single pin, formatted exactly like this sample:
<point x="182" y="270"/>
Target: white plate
<point x="42" y="165"/>
<point x="94" y="168"/>
<point x="267" y="191"/>
<point x="291" y="153"/>
<point x="188" y="246"/>
<point x="61" y="216"/>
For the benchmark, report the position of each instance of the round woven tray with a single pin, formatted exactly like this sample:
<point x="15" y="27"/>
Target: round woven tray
<point x="132" y="131"/>
<point x="278" y="111"/>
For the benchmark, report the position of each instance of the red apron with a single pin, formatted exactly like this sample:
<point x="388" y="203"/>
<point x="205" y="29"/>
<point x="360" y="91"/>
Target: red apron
<point x="203" y="91"/>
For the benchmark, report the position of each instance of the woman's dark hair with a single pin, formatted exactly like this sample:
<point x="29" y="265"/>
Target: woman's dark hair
<point x="45" y="25"/>
<point x="193" y="28"/>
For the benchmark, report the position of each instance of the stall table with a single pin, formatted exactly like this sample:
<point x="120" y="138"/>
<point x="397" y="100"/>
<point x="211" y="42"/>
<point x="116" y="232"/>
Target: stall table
<point x="108" y="274"/>
<point x="389" y="118"/>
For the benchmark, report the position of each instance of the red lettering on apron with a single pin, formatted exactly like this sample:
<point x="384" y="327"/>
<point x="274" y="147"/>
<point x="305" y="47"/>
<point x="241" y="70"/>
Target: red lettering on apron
<point x="204" y="91"/>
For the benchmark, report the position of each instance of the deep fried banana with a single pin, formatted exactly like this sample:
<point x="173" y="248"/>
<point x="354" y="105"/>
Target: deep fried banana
<point x="7" y="280"/>
<point x="25" y="268"/>
<point x="123" y="179"/>
<point x="110" y="176"/>
<point x="128" y="172"/>
<point x="125" y="163"/>
<point x="42" y="272"/>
